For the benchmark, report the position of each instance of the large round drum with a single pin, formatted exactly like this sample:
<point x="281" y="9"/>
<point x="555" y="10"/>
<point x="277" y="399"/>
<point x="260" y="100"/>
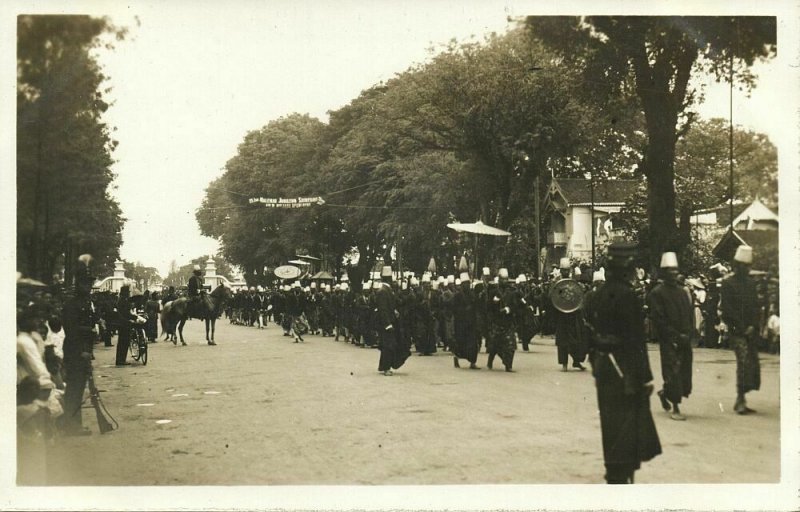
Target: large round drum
<point x="567" y="295"/>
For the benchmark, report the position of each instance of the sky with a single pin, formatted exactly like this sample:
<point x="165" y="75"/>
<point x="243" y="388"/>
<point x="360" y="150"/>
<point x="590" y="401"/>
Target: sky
<point x="192" y="79"/>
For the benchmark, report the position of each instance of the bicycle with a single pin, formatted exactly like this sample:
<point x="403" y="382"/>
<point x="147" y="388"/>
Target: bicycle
<point x="138" y="343"/>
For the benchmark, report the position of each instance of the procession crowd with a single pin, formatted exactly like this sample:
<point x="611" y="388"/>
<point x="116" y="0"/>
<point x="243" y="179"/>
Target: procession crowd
<point x="619" y="310"/>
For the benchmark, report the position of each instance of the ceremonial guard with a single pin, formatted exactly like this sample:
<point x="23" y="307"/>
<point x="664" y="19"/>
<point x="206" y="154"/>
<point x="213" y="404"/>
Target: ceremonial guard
<point x="524" y="312"/>
<point x="621" y="369"/>
<point x="502" y="341"/>
<point x="671" y="315"/>
<point x="393" y="351"/>
<point x="739" y="308"/>
<point x="569" y="327"/>
<point x="79" y="320"/>
<point x="193" y="288"/>
<point x="481" y="320"/>
<point x="466" y="342"/>
<point x="424" y="337"/>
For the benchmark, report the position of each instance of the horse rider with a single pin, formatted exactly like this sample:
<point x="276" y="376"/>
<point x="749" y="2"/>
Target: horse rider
<point x="194" y="288"/>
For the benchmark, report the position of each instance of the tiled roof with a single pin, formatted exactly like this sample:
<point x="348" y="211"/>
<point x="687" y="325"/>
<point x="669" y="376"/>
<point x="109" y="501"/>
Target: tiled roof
<point x="577" y="191"/>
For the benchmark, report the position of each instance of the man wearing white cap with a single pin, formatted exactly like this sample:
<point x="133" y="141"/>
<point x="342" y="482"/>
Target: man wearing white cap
<point x="569" y="330"/>
<point x="394" y="351"/>
<point x="671" y="314"/>
<point x="466" y="342"/>
<point x="502" y="340"/>
<point x="739" y="307"/>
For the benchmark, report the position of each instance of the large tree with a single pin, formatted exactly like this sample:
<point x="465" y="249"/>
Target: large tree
<point x="651" y="60"/>
<point x="702" y="181"/>
<point x="279" y="160"/>
<point x="63" y="147"/>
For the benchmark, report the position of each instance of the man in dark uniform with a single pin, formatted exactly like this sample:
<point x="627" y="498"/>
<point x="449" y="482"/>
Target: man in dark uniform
<point x="193" y="288"/>
<point x="466" y="342"/>
<point x="672" y="316"/>
<point x="569" y="335"/>
<point x="169" y="296"/>
<point x="393" y="355"/>
<point x="502" y="340"/>
<point x="79" y="320"/>
<point x="739" y="308"/>
<point x="621" y="369"/>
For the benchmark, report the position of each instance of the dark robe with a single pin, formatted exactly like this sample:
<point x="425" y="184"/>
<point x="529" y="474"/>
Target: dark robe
<point x="423" y="325"/>
<point x="621" y="368"/>
<point x="739" y="308"/>
<point x="502" y="338"/>
<point x="466" y="342"/>
<point x="393" y="346"/>
<point x="671" y="314"/>
<point x="569" y="336"/>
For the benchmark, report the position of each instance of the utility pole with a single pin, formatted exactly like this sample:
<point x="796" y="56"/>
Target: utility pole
<point x="538" y="223"/>
<point x="591" y="194"/>
<point x="730" y="129"/>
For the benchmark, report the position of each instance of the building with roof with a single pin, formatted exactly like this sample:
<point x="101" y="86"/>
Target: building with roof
<point x="574" y="208"/>
<point x="754" y="225"/>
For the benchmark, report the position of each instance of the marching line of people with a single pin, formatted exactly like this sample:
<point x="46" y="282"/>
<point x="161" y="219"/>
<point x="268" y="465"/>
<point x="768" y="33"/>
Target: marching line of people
<point x="447" y="313"/>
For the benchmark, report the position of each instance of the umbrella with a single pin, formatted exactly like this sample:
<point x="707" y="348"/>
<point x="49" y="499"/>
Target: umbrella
<point x="323" y="276"/>
<point x="479" y="228"/>
<point x="306" y="256"/>
<point x="287" y="272"/>
<point x="299" y="262"/>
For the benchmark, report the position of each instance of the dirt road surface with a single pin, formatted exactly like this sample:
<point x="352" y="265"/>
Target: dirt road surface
<point x="259" y="409"/>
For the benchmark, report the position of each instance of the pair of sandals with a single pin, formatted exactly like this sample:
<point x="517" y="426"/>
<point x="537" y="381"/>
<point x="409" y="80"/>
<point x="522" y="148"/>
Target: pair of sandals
<point x="665" y="404"/>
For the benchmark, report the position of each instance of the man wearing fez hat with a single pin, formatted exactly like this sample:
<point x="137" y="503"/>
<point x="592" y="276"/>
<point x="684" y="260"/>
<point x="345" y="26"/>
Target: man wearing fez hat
<point x="79" y="329"/>
<point x="739" y="307"/>
<point x="569" y="330"/>
<point x="502" y="339"/>
<point x="393" y="351"/>
<point x="672" y="314"/>
<point x="465" y="342"/>
<point x="621" y="369"/>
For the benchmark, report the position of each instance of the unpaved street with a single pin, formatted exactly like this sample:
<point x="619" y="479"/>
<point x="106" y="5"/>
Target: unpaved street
<point x="259" y="409"/>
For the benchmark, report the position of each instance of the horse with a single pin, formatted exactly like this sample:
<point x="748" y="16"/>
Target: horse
<point x="176" y="313"/>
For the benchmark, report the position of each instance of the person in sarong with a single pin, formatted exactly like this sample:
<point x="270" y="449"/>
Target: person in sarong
<point x="394" y="350"/>
<point x="326" y="314"/>
<point x="672" y="316"/>
<point x="447" y="326"/>
<point x="739" y="308"/>
<point x="481" y="322"/>
<point x="465" y="342"/>
<point x="569" y="331"/>
<point x="621" y="369"/>
<point x="502" y="339"/>
<point x="524" y="312"/>
<point x="424" y="332"/>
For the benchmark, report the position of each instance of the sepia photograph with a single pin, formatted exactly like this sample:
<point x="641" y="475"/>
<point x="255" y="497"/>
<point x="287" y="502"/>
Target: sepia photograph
<point x="363" y="255"/>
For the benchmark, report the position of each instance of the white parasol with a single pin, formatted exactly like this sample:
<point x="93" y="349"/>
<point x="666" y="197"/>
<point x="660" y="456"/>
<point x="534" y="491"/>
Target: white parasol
<point x="287" y="272"/>
<point x="479" y="228"/>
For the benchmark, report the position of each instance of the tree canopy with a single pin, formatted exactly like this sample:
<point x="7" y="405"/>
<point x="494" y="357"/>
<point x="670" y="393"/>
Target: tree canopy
<point x="465" y="136"/>
<point x="461" y="137"/>
<point x="64" y="149"/>
<point x="650" y="59"/>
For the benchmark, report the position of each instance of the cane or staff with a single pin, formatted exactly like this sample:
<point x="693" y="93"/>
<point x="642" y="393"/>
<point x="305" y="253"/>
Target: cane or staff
<point x="97" y="403"/>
